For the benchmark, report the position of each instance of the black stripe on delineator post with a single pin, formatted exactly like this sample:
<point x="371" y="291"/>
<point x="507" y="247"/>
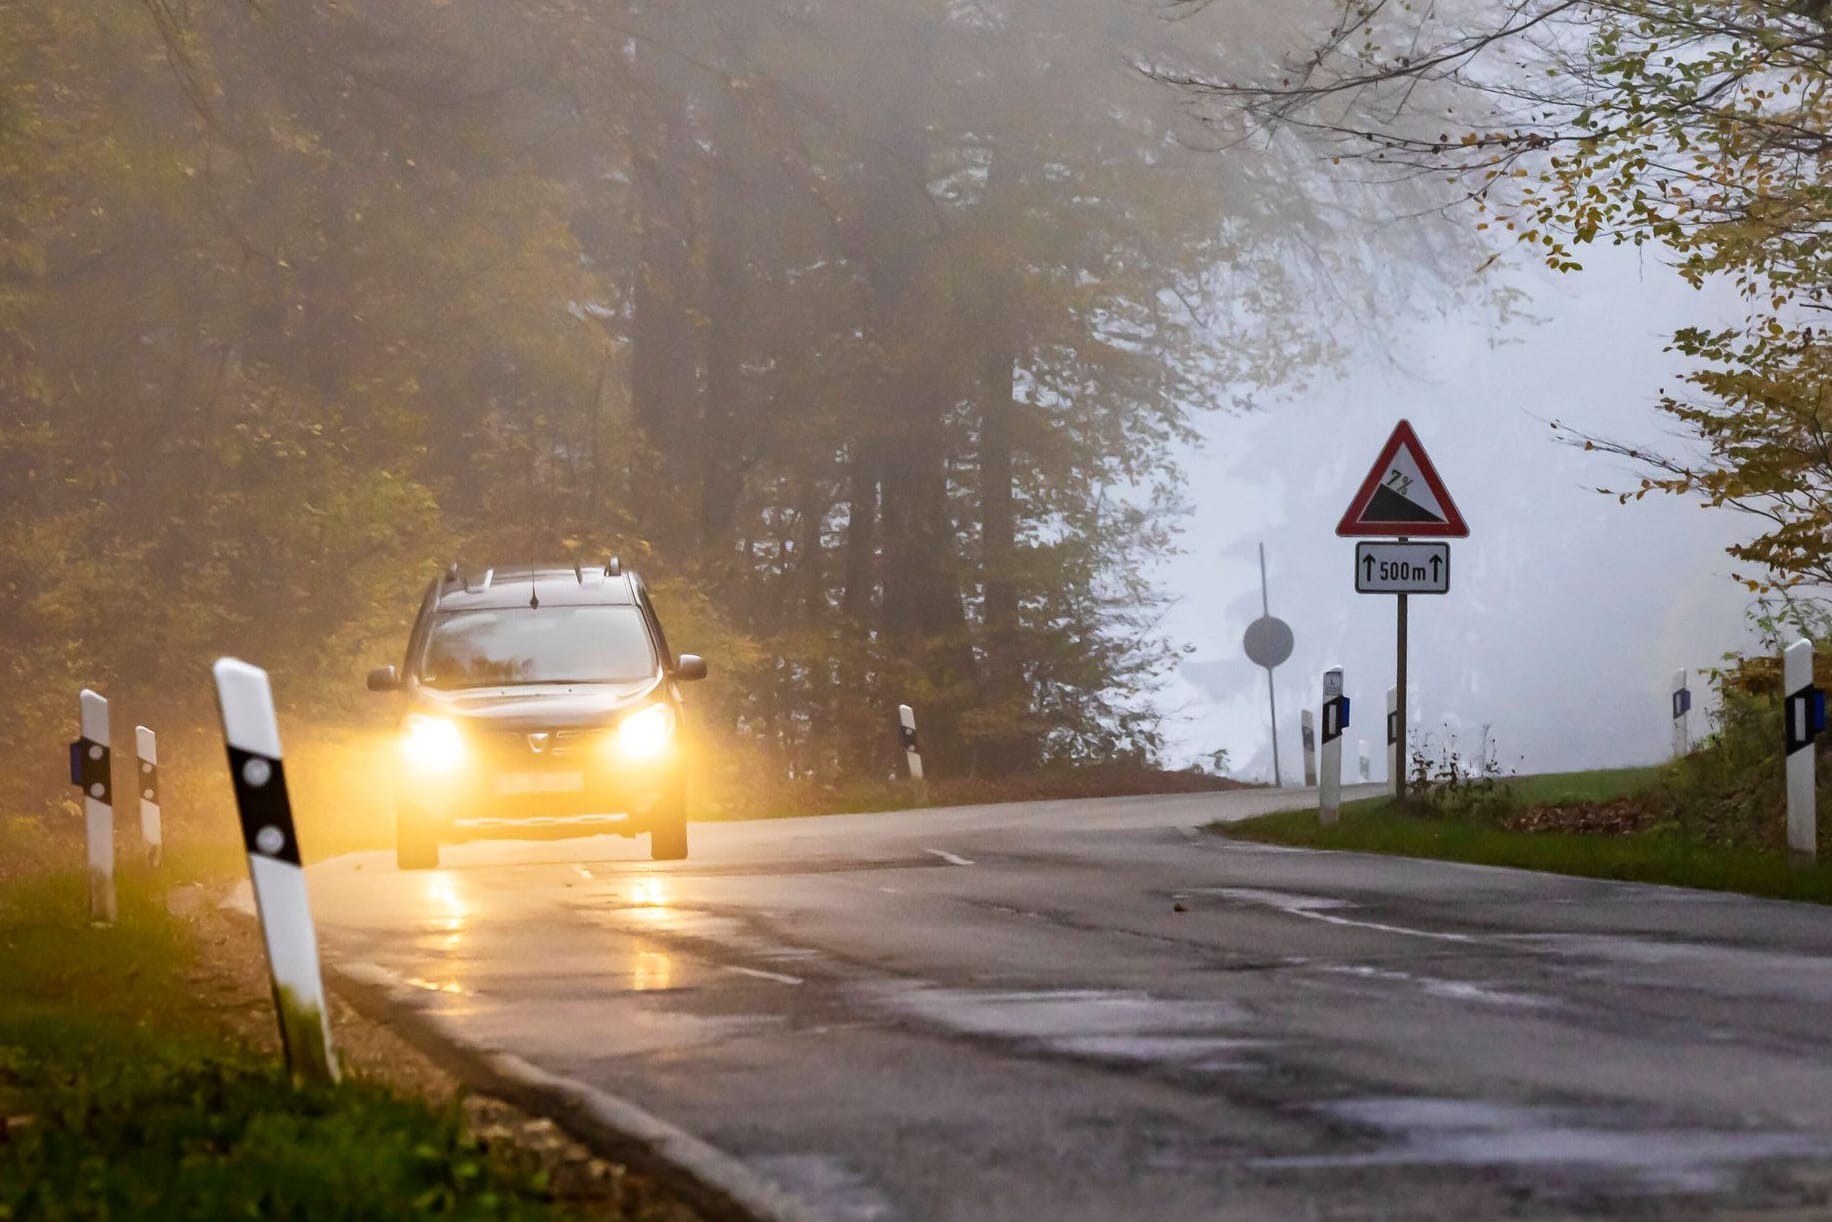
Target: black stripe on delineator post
<point x="92" y="770"/>
<point x="261" y="801"/>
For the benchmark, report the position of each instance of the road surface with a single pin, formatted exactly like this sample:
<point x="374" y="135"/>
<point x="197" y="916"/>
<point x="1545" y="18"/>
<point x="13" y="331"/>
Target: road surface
<point x="1094" y="1010"/>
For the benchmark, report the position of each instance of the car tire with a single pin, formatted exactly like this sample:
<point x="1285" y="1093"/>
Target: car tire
<point x="668" y="834"/>
<point x="416" y="843"/>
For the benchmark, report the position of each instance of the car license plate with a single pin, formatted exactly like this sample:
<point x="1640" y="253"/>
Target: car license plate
<point x="540" y="782"/>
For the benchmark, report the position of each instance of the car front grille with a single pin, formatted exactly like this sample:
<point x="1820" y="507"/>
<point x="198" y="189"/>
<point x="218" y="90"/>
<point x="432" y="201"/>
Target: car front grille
<point x="520" y="746"/>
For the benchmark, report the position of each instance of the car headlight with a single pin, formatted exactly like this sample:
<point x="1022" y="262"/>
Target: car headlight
<point x="646" y="734"/>
<point x="432" y="744"/>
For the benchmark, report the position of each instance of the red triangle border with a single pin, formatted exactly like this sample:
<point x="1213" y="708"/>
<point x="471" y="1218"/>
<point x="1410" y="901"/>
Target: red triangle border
<point x="1353" y="524"/>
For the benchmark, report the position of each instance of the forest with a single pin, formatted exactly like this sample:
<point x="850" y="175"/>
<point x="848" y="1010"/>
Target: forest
<point x="869" y="332"/>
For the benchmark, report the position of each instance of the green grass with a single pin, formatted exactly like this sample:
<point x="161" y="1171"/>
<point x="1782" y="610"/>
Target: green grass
<point x="1565" y="788"/>
<point x="125" y="1101"/>
<point x="1375" y="826"/>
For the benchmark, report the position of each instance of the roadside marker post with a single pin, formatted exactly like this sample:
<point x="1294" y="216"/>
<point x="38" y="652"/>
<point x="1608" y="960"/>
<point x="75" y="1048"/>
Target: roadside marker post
<point x="912" y="750"/>
<point x="1804" y="721"/>
<point x="91" y="769"/>
<point x="1682" y="705"/>
<point x="1307" y="733"/>
<point x="146" y="748"/>
<point x="1335" y="721"/>
<point x="1402" y="495"/>
<point x="1366" y="775"/>
<point x="1395" y="765"/>
<point x="252" y="734"/>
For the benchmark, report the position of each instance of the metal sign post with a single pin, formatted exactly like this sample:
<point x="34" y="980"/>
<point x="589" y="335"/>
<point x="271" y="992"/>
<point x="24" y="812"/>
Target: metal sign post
<point x="1268" y="643"/>
<point x="1399" y="705"/>
<point x="1402" y="495"/>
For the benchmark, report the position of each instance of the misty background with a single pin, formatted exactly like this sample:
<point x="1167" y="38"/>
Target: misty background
<point x="917" y="351"/>
<point x="1568" y="612"/>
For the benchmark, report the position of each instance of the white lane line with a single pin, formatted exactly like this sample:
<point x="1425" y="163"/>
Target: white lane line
<point x="759" y="973"/>
<point x="583" y="872"/>
<point x="1308" y="907"/>
<point x="950" y="858"/>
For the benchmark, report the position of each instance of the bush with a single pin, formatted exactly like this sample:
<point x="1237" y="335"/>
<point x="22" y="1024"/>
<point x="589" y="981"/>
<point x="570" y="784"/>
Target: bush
<point x="1447" y="783"/>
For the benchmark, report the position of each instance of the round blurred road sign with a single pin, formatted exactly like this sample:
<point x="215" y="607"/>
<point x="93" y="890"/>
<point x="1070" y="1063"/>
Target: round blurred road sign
<point x="1268" y="641"/>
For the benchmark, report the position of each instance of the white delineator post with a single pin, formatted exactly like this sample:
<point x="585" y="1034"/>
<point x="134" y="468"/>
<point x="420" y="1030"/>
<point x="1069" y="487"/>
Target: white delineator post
<point x="1394" y="763"/>
<point x="912" y="750"/>
<point x="91" y="768"/>
<point x="1335" y="719"/>
<point x="1804" y="717"/>
<point x="253" y="736"/>
<point x="1682" y="705"/>
<point x="1362" y="744"/>
<point x="146" y="747"/>
<point x="1307" y="732"/>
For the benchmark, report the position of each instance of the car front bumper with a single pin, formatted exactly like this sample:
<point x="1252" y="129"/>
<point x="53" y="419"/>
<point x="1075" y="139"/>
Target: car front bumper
<point x="516" y="795"/>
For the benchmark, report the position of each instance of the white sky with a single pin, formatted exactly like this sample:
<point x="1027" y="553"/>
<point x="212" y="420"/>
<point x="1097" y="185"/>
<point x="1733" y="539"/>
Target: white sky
<point x="1568" y="613"/>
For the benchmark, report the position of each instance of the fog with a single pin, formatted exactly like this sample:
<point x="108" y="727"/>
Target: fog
<point x="874" y="335"/>
<point x="1568" y="612"/>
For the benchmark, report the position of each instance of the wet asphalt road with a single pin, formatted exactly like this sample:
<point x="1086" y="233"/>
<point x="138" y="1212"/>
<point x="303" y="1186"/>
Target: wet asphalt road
<point x="1092" y="1010"/>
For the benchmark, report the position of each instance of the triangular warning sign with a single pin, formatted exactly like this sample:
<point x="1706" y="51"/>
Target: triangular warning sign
<point x="1403" y="495"/>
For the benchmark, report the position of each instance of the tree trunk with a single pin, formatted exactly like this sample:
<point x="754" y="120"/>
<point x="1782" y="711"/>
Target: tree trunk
<point x="664" y="366"/>
<point x="1009" y="748"/>
<point x="720" y="444"/>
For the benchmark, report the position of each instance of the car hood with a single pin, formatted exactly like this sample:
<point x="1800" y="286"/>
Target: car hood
<point x="542" y="706"/>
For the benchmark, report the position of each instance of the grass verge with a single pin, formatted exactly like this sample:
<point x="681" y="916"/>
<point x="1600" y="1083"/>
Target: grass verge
<point x="1656" y="856"/>
<point x="1564" y="788"/>
<point x="123" y="1096"/>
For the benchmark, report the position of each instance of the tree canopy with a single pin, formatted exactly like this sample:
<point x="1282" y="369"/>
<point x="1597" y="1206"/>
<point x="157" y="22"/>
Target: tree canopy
<point x="868" y="330"/>
<point x="1701" y="126"/>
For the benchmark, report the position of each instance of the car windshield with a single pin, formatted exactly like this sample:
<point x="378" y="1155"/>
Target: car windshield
<point x="544" y="645"/>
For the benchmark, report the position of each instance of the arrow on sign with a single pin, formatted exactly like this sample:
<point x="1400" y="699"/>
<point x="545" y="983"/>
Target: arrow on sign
<point x="1435" y="562"/>
<point x="1367" y="562"/>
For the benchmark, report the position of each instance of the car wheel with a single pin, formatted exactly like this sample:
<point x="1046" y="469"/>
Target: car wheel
<point x="416" y="842"/>
<point x="668" y="834"/>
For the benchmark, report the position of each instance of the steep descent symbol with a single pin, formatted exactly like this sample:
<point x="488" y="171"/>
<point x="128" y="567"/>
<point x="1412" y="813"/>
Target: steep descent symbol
<point x="1402" y="494"/>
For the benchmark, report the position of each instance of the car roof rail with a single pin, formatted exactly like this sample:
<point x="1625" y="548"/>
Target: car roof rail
<point x="455" y="572"/>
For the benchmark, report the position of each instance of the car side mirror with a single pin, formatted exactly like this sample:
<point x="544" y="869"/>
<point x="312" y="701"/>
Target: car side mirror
<point x="384" y="679"/>
<point x="690" y="666"/>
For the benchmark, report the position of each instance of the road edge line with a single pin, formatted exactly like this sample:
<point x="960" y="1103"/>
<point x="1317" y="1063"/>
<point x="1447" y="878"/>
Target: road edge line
<point x="715" y="1184"/>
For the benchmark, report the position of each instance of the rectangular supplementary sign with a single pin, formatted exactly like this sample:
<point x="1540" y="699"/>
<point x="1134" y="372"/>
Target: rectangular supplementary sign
<point x="1402" y="568"/>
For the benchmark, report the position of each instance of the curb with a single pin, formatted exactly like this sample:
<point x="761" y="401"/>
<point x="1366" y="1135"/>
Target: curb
<point x="712" y="1182"/>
